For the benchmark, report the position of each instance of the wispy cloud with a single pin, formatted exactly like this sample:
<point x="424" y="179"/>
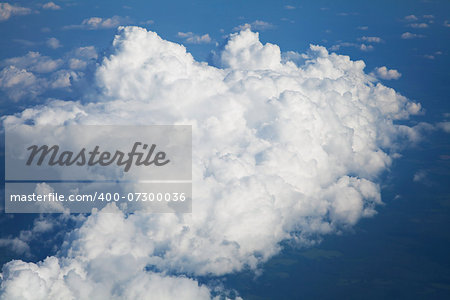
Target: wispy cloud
<point x="418" y="25"/>
<point x="362" y="47"/>
<point x="371" y="39"/>
<point x="94" y="23"/>
<point x="7" y="10"/>
<point x="192" y="38"/>
<point x="289" y="7"/>
<point x="23" y="42"/>
<point x="433" y="56"/>
<point x="148" y="22"/>
<point x="420" y="176"/>
<point x="256" y="25"/>
<point x="345" y="14"/>
<point x="409" y="35"/>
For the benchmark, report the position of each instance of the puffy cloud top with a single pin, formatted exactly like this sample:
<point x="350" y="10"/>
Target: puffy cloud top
<point x="282" y="150"/>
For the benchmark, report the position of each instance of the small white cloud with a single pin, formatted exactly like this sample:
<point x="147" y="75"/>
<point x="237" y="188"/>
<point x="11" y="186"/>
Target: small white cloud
<point x="409" y="35"/>
<point x="428" y="16"/>
<point x="87" y="52"/>
<point x="364" y="47"/>
<point x="53" y="43"/>
<point x="99" y="23"/>
<point x="418" y="25"/>
<point x="256" y="25"/>
<point x="447" y="23"/>
<point x="362" y="27"/>
<point x="77" y="64"/>
<point x="51" y="6"/>
<point x="420" y="176"/>
<point x="411" y="18"/>
<point x="192" y="38"/>
<point x="80" y="57"/>
<point x="386" y="74"/>
<point x="289" y="7"/>
<point x="371" y="39"/>
<point x="34" y="61"/>
<point x="63" y="79"/>
<point x="19" y="83"/>
<point x="7" y="10"/>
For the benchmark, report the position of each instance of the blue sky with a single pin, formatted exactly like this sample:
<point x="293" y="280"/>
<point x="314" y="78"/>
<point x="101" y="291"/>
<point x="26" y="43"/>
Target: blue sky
<point x="291" y="25"/>
<point x="60" y="46"/>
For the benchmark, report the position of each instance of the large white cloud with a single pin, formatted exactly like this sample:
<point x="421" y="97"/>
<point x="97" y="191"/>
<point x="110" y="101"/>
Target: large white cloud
<point x="281" y="150"/>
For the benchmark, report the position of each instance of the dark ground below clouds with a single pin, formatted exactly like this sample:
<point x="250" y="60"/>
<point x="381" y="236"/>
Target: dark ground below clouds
<point x="401" y="253"/>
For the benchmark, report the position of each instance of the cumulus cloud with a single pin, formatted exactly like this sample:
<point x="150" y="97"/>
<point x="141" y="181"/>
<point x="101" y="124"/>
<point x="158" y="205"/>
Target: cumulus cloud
<point x="409" y="35"/>
<point x="95" y="23"/>
<point x="363" y="27"/>
<point x="53" y="43"/>
<point x="51" y="6"/>
<point x="411" y="18"/>
<point x="385" y="73"/>
<point x="289" y="7"/>
<point x="192" y="38"/>
<point x="284" y="150"/>
<point x="35" y="62"/>
<point x="29" y="76"/>
<point x="18" y="83"/>
<point x="256" y="26"/>
<point x="7" y="10"/>
<point x="16" y="245"/>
